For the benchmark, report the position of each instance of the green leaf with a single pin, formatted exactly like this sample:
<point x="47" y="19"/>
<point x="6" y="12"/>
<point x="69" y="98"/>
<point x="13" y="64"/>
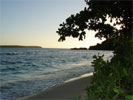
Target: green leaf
<point x="116" y="90"/>
<point x="125" y="72"/>
<point x="129" y="97"/>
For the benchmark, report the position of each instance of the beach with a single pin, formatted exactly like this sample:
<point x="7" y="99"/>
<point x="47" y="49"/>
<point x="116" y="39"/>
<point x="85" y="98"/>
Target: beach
<point x="42" y="70"/>
<point x="73" y="88"/>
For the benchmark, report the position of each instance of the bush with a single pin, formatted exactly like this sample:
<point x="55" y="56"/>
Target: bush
<point x="112" y="79"/>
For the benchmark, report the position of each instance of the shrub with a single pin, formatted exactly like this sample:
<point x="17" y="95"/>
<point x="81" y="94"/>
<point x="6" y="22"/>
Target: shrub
<point x="113" y="79"/>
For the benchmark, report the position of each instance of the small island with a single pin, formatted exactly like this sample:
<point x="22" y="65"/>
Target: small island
<point x="79" y="49"/>
<point x="18" y="46"/>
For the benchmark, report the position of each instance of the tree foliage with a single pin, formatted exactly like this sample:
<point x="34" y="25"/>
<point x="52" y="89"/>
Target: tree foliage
<point x="95" y="16"/>
<point x="112" y="80"/>
<point x="105" y="45"/>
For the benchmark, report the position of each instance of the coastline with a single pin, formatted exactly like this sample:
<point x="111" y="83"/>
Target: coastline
<point x="70" y="89"/>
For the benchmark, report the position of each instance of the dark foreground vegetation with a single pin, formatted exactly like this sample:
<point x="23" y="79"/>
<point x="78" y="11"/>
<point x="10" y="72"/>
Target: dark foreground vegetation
<point x="112" y="80"/>
<point x="105" y="45"/>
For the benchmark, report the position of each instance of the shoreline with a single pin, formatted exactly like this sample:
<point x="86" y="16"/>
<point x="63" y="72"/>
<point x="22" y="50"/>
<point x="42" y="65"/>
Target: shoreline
<point x="70" y="89"/>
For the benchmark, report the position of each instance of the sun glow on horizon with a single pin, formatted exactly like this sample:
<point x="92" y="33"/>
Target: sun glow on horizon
<point x="34" y="23"/>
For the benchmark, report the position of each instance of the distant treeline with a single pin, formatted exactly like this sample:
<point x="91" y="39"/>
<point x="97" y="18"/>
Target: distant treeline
<point x="18" y="46"/>
<point x="78" y="48"/>
<point x="105" y="45"/>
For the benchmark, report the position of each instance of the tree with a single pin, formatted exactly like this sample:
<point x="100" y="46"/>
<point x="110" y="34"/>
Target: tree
<point x="94" y="17"/>
<point x="112" y="79"/>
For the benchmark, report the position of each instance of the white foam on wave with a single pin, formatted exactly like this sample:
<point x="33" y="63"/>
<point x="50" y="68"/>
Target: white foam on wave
<point x="81" y="76"/>
<point x="45" y="69"/>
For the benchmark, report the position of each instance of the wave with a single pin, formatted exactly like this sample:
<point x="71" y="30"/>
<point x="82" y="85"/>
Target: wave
<point x="10" y="53"/>
<point x="6" y="62"/>
<point x="8" y="69"/>
<point x="25" y="71"/>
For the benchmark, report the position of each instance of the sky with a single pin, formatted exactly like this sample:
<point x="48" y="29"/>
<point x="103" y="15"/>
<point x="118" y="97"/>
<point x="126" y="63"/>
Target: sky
<point x="35" y="22"/>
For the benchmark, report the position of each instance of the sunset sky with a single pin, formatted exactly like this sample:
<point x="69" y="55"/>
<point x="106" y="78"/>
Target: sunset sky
<point x="35" y="22"/>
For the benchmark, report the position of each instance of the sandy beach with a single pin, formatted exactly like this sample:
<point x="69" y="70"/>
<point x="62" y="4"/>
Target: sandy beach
<point x="71" y="89"/>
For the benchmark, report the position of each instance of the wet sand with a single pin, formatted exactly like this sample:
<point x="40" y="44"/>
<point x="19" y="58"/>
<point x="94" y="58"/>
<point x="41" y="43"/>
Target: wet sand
<point x="72" y="88"/>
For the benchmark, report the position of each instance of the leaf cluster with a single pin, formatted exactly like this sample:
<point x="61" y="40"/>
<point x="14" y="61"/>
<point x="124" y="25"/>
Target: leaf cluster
<point x="113" y="79"/>
<point x="94" y="17"/>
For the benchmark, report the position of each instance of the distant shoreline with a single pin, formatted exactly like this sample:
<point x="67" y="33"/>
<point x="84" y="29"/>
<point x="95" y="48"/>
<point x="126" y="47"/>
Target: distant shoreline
<point x="18" y="46"/>
<point x="79" y="49"/>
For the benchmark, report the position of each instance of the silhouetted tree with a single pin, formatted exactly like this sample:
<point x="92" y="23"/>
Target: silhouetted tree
<point x="112" y="79"/>
<point x="95" y="16"/>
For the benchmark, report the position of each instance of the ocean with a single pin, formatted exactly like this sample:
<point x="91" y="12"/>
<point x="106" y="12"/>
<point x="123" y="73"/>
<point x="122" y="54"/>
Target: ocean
<point x="25" y="71"/>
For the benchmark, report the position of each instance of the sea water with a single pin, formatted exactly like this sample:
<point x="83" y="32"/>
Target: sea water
<point x="24" y="71"/>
